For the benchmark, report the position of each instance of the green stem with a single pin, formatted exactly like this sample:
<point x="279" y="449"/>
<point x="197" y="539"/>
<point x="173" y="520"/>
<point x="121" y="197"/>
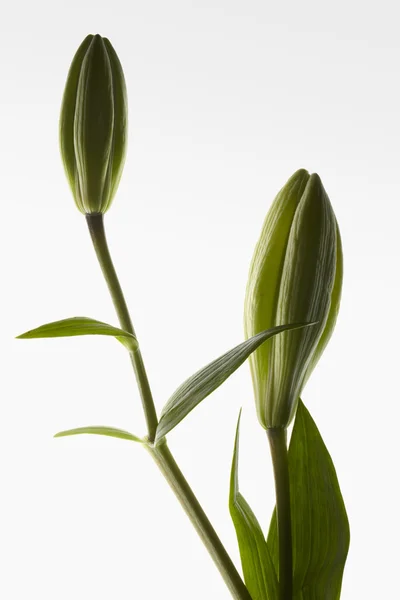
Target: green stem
<point x="279" y="454"/>
<point x="161" y="453"/>
<point x="98" y="235"/>
<point x="167" y="465"/>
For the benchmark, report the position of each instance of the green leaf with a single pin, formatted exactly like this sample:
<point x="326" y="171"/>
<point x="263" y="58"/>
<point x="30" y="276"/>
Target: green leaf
<point x="258" y="569"/>
<point x="209" y="378"/>
<point x="100" y="430"/>
<point x="320" y="527"/>
<point x="81" y="326"/>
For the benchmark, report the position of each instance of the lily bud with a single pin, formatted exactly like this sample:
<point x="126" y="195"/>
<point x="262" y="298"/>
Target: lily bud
<point x="93" y="125"/>
<point x="295" y="277"/>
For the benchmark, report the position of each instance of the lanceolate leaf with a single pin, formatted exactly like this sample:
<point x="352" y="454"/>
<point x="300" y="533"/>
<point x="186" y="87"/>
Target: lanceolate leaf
<point x="208" y="379"/>
<point x="320" y="527"/>
<point x="258" y="569"/>
<point x="81" y="326"/>
<point x="100" y="430"/>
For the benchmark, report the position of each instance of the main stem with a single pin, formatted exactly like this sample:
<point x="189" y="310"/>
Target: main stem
<point x="279" y="453"/>
<point x="161" y="453"/>
<point x="172" y="473"/>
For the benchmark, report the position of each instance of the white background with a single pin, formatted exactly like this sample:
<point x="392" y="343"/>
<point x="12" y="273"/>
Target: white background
<point x="227" y="99"/>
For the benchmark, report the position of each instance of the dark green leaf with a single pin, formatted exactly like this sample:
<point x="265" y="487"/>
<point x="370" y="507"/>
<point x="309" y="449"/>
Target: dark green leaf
<point x="208" y="379"/>
<point x="320" y="527"/>
<point x="100" y="430"/>
<point x="81" y="326"/>
<point x="258" y="569"/>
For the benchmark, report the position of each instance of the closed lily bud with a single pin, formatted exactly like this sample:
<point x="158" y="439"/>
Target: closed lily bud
<point x="93" y="125"/>
<point x="295" y="277"/>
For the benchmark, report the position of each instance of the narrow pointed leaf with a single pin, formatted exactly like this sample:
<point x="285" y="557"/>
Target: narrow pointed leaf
<point x="81" y="326"/>
<point x="320" y="527"/>
<point x="101" y="430"/>
<point x="209" y="378"/>
<point x="258" y="569"/>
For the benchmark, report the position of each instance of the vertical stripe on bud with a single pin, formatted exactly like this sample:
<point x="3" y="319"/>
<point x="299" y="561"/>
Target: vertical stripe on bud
<point x="93" y="125"/>
<point x="295" y="277"/>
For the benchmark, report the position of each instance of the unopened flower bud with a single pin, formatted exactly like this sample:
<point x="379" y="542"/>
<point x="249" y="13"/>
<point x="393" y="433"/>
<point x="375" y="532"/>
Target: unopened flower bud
<point x="295" y="277"/>
<point x="93" y="125"/>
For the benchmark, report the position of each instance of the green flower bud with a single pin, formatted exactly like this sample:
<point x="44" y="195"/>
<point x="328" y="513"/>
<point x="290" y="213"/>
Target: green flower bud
<point x="295" y="277"/>
<point x="93" y="125"/>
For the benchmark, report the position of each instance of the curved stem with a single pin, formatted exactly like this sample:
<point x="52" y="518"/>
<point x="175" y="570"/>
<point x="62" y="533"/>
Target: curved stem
<point x="279" y="454"/>
<point x="161" y="453"/>
<point x="97" y="233"/>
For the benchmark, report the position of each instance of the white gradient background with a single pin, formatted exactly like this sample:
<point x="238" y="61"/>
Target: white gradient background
<point x="227" y="100"/>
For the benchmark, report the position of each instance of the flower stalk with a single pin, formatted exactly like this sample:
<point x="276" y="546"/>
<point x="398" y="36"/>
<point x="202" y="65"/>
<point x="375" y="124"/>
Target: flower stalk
<point x="277" y="442"/>
<point x="98" y="235"/>
<point x="161" y="453"/>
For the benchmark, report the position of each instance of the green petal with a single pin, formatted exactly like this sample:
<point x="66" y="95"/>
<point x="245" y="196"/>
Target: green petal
<point x="265" y="276"/>
<point x="120" y="120"/>
<point x="94" y="127"/>
<point x="334" y="308"/>
<point x="68" y="115"/>
<point x="304" y="296"/>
